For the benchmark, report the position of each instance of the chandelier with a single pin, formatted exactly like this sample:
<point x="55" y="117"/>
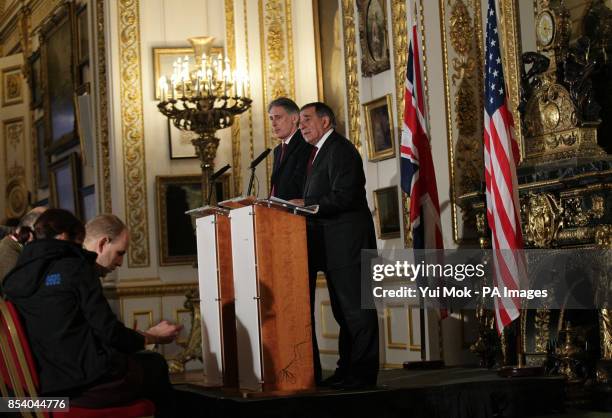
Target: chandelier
<point x="203" y="96"/>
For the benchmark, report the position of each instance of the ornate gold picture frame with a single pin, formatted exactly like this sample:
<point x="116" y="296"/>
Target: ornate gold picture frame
<point x="379" y="128"/>
<point x="373" y="37"/>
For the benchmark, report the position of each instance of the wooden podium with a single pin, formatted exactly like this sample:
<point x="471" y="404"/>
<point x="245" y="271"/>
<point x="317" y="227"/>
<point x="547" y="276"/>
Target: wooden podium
<point x="216" y="285"/>
<point x="270" y="267"/>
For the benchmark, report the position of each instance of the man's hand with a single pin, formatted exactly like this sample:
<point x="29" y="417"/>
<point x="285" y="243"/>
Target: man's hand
<point x="163" y="333"/>
<point x="297" y="202"/>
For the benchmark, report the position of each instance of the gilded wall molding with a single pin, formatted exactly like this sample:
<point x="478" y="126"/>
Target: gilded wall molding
<point x="149" y="290"/>
<point x="399" y="26"/>
<point x="132" y="133"/>
<point x="104" y="182"/>
<point x="250" y="111"/>
<point x="461" y="27"/>
<point x="230" y="42"/>
<point x="16" y="192"/>
<point x="277" y="68"/>
<point x="510" y="38"/>
<point x="351" y="72"/>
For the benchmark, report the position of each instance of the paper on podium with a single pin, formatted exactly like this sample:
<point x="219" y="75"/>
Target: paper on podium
<point x="206" y="210"/>
<point x="311" y="210"/>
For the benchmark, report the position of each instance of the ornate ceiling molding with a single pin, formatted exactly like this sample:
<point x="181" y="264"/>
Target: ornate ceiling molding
<point x="132" y="133"/>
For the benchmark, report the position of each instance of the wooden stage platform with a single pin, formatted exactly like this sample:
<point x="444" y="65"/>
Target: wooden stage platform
<point x="448" y="393"/>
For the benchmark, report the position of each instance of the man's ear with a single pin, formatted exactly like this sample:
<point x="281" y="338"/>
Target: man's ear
<point x="101" y="243"/>
<point x="326" y="122"/>
<point x="295" y="119"/>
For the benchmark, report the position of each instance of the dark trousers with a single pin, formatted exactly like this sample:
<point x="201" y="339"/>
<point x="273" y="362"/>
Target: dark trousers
<point x="358" y="339"/>
<point x="135" y="376"/>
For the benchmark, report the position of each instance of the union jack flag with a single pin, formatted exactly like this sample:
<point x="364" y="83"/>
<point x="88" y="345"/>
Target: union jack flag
<point x="501" y="154"/>
<point x="418" y="178"/>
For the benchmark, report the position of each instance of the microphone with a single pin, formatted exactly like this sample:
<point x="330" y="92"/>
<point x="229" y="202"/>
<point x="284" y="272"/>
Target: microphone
<point x="214" y="177"/>
<point x="219" y="172"/>
<point x="261" y="156"/>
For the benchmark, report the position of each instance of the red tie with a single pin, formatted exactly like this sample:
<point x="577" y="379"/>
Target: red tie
<point x="280" y="160"/>
<point x="283" y="150"/>
<point x="313" y="153"/>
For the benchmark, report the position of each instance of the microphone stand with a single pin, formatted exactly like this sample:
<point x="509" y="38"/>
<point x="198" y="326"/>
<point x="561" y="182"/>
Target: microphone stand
<point x="211" y="185"/>
<point x="250" y="189"/>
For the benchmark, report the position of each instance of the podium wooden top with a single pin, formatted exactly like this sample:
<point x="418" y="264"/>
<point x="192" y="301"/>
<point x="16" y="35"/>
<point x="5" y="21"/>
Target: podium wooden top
<point x="272" y="202"/>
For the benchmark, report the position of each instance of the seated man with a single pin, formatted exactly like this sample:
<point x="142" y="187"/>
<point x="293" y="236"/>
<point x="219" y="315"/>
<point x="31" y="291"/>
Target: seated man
<point x="12" y="244"/>
<point x="81" y="349"/>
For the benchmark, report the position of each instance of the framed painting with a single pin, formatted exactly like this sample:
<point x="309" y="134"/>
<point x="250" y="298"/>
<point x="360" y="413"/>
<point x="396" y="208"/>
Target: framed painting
<point x="387" y="212"/>
<point x="58" y="80"/>
<point x="329" y="50"/>
<point x="163" y="58"/>
<point x="64" y="181"/>
<point x="180" y="143"/>
<point x="379" y="128"/>
<point x="175" y="196"/>
<point x="89" y="204"/>
<point x="82" y="35"/>
<point x="373" y="37"/>
<point x="12" y="86"/>
<point x="82" y="105"/>
<point x="35" y="80"/>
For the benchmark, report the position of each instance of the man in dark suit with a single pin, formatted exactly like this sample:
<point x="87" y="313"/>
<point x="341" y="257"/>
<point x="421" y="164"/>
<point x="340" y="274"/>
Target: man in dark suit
<point x="336" y="235"/>
<point x="291" y="155"/>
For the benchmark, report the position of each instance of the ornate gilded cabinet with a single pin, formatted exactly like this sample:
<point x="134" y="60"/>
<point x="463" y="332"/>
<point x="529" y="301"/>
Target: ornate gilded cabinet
<point x="565" y="184"/>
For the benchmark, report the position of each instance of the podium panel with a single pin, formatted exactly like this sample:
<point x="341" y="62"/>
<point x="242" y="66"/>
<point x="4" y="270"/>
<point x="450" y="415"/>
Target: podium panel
<point x="250" y="373"/>
<point x="272" y="299"/>
<point x="215" y="280"/>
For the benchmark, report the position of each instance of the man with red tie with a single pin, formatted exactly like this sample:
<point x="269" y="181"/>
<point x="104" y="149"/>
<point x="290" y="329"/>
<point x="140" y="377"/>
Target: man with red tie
<point x="291" y="155"/>
<point x="342" y="227"/>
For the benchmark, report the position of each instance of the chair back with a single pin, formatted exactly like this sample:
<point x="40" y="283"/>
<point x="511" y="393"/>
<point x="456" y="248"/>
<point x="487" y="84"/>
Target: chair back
<point x="20" y="378"/>
<point x="17" y="367"/>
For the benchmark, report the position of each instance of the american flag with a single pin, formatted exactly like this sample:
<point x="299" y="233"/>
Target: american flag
<point x="418" y="178"/>
<point x="500" y="156"/>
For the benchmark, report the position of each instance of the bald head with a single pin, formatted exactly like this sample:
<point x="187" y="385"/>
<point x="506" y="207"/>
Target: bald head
<point x="107" y="236"/>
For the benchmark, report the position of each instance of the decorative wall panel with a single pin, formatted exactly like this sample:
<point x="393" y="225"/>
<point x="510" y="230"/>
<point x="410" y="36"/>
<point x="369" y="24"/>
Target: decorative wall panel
<point x="104" y="181"/>
<point x="460" y="22"/>
<point x="349" y="29"/>
<point x="277" y="66"/>
<point x="132" y="133"/>
<point x="15" y="162"/>
<point x="399" y="19"/>
<point x="230" y="43"/>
